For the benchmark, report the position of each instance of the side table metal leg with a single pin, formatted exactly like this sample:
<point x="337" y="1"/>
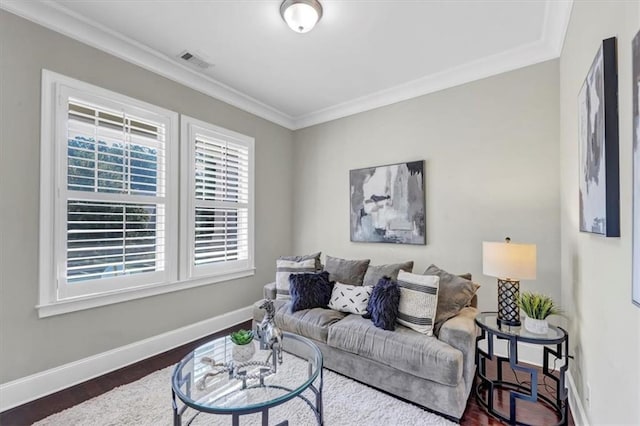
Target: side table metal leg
<point x="265" y="417"/>
<point x="235" y="419"/>
<point x="177" y="418"/>
<point x="319" y="406"/>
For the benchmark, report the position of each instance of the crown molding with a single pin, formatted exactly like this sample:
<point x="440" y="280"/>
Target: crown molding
<point x="62" y="20"/>
<point x="556" y="23"/>
<point x="472" y="71"/>
<point x="549" y="46"/>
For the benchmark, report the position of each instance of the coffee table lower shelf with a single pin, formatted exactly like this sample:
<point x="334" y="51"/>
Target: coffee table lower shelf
<point x="235" y="414"/>
<point x="190" y="389"/>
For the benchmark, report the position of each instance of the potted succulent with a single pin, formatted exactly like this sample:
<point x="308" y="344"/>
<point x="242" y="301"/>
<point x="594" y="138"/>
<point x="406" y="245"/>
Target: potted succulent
<point x="243" y="347"/>
<point x="537" y="307"/>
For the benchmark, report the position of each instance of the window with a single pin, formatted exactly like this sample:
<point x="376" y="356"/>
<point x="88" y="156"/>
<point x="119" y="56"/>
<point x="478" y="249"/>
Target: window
<point x="110" y="182"/>
<point x="218" y="202"/>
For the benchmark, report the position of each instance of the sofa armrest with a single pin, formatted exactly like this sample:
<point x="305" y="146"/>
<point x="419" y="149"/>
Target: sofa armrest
<point x="460" y="332"/>
<point x="270" y="291"/>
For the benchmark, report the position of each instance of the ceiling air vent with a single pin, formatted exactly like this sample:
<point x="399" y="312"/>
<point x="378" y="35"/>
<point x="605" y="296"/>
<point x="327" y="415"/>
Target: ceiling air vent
<point x="194" y="60"/>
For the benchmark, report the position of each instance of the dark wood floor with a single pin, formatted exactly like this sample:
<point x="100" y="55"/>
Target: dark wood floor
<point x="36" y="410"/>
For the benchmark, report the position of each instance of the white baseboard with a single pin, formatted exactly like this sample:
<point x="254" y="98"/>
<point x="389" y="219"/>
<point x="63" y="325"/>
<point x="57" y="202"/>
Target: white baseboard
<point x="26" y="389"/>
<point x="575" y="403"/>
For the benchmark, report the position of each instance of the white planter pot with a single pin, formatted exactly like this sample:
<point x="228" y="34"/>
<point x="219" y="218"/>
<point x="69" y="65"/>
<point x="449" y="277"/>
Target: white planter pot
<point x="243" y="353"/>
<point x="536" y="326"/>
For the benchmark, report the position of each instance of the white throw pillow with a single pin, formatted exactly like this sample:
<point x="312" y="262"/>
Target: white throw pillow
<point x="284" y="268"/>
<point x="350" y="298"/>
<point x="418" y="301"/>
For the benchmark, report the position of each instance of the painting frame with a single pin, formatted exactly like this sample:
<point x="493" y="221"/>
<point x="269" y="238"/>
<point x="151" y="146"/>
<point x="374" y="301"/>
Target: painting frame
<point x="599" y="178"/>
<point x="635" y="185"/>
<point x="388" y="204"/>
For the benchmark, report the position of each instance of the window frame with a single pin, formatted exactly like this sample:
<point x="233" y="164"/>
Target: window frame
<point x="53" y="212"/>
<point x="188" y="128"/>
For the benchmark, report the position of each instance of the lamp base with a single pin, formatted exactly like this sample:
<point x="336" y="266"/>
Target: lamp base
<point x="508" y="310"/>
<point x="508" y="323"/>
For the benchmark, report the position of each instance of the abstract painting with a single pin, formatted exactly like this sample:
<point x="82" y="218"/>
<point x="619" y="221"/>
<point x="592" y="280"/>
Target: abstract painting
<point x="598" y="133"/>
<point x="636" y="170"/>
<point x="388" y="204"/>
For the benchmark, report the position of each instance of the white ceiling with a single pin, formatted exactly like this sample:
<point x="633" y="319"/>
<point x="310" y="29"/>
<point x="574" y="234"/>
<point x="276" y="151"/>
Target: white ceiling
<point x="361" y="55"/>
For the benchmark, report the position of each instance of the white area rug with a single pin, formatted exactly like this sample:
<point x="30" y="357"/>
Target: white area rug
<point x="148" y="402"/>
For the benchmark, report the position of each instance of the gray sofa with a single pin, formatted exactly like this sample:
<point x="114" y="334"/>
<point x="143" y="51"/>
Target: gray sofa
<point x="434" y="372"/>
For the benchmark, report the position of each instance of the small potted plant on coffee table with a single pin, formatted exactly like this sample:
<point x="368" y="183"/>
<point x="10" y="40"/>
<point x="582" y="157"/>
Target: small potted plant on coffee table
<point x="537" y="307"/>
<point x="243" y="347"/>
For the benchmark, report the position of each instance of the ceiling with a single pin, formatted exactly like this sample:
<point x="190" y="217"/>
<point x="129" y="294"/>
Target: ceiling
<point x="361" y="55"/>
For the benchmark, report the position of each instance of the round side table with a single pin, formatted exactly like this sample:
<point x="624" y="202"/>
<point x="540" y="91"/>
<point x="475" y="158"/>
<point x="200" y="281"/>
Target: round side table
<point x="486" y="387"/>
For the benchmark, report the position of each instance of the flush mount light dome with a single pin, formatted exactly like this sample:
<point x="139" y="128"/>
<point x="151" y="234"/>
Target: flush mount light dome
<point x="301" y="15"/>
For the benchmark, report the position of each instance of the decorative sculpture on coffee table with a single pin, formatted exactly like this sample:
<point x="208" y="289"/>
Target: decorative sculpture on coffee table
<point x="269" y="334"/>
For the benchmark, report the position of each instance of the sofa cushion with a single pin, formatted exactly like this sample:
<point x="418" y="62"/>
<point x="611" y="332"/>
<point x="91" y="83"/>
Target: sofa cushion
<point x="404" y="349"/>
<point x="376" y="272"/>
<point x="312" y="323"/>
<point x="346" y="271"/>
<point x="454" y="293"/>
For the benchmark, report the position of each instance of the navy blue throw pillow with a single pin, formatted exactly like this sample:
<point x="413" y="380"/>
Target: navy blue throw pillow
<point x="309" y="290"/>
<point x="383" y="304"/>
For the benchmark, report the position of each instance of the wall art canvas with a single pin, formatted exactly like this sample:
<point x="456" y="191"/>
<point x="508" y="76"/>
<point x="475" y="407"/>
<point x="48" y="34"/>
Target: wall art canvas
<point x="388" y="204"/>
<point x="598" y="134"/>
<point x="636" y="170"/>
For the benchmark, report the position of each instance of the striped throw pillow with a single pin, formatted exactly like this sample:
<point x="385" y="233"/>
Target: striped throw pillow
<point x="418" y="301"/>
<point x="284" y="268"/>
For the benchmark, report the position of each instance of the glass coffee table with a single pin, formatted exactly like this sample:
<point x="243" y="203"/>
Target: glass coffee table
<point x="209" y="380"/>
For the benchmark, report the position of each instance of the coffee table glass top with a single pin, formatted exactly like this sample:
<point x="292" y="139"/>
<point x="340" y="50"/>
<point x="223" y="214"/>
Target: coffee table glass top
<point x="209" y="379"/>
<point x="490" y="320"/>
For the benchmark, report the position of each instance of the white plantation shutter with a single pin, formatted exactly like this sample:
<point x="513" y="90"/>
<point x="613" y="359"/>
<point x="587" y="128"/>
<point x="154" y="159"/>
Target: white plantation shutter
<point x="129" y="156"/>
<point x="115" y="193"/>
<point x="221" y="199"/>
<point x="110" y="239"/>
<point x="112" y="205"/>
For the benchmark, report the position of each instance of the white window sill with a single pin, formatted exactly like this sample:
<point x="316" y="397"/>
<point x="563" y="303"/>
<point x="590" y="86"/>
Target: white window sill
<point x="93" y="301"/>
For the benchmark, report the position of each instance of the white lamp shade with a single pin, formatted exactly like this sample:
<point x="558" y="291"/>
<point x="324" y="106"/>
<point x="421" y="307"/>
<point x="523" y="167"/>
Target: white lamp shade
<point x="301" y="17"/>
<point x="509" y="260"/>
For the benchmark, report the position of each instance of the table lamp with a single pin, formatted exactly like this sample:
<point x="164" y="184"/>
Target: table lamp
<point x="510" y="263"/>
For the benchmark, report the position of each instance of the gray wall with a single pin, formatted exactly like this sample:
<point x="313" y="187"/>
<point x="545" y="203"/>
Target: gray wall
<point x="29" y="344"/>
<point x="596" y="271"/>
<point x="492" y="170"/>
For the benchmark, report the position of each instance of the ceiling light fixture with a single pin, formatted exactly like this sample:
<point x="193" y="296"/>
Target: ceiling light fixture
<point x="301" y="15"/>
